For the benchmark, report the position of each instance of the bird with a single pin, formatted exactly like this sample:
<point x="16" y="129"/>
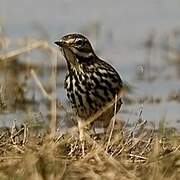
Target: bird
<point x="91" y="83"/>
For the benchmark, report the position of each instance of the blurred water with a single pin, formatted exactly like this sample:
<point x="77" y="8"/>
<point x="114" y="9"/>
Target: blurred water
<point x="124" y="25"/>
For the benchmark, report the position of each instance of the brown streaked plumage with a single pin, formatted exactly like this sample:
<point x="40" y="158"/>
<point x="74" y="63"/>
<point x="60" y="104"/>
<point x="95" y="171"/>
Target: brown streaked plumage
<point x="90" y="82"/>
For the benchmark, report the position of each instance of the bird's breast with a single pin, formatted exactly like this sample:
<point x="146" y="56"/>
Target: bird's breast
<point x="89" y="92"/>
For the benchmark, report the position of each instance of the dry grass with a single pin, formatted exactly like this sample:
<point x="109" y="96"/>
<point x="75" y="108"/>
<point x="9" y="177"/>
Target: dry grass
<point x="136" y="153"/>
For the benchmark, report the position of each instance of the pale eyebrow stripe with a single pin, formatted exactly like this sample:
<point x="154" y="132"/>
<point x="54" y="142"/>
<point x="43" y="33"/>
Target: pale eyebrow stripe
<point x="70" y="40"/>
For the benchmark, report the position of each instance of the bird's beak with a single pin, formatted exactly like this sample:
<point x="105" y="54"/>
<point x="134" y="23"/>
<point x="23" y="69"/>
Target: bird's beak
<point x="63" y="43"/>
<point x="60" y="43"/>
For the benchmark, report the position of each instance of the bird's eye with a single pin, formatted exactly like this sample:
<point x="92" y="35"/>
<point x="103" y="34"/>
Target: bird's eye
<point x="79" y="42"/>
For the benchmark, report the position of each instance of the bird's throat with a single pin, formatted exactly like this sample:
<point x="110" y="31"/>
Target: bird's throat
<point x="72" y="61"/>
<point x="70" y="57"/>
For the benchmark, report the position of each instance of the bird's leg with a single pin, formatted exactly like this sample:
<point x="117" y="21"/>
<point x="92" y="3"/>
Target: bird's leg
<point x="81" y="134"/>
<point x="94" y="128"/>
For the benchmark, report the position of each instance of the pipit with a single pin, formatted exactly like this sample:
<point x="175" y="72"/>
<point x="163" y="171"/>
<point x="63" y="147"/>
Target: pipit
<point x="91" y="83"/>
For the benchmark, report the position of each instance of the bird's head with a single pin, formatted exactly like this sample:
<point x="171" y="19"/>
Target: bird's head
<point x="76" y="49"/>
